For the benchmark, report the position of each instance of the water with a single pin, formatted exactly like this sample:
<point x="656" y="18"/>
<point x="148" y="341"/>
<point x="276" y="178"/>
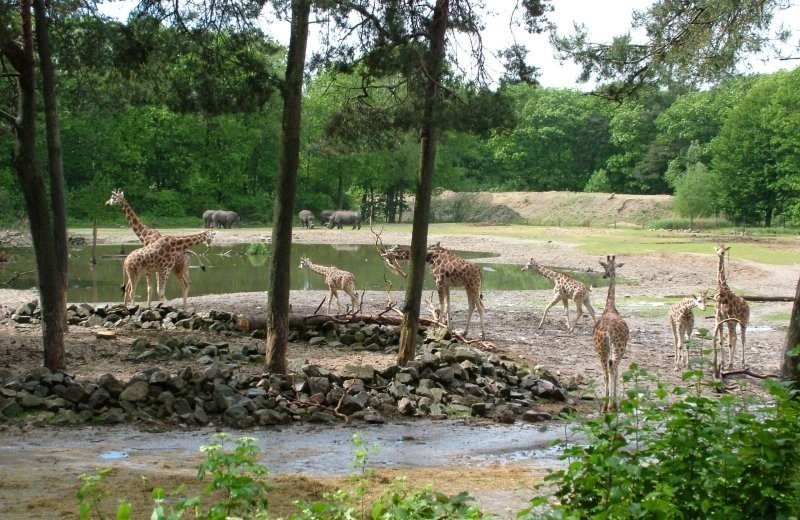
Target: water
<point x="228" y="269"/>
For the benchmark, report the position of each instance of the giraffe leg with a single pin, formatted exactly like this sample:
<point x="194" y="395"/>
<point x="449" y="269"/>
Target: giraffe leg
<point x="335" y="294"/>
<point x="731" y="342"/>
<point x="184" y="281"/>
<point x="354" y="298"/>
<point x="578" y="316"/>
<point x="547" y="308"/>
<point x="565" y="302"/>
<point x="590" y="309"/>
<point x="613" y="368"/>
<point x="161" y="278"/>
<point x="744" y="330"/>
<point x="676" y="340"/>
<point x="443" y="310"/>
<point x="130" y="289"/>
<point x="149" y="278"/>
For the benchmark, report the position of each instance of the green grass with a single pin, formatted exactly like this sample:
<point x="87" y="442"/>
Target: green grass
<point x="781" y="318"/>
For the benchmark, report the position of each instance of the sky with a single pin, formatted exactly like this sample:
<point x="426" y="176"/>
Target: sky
<point x="603" y="19"/>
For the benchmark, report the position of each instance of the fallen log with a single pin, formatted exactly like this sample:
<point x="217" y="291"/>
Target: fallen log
<point x="749" y="298"/>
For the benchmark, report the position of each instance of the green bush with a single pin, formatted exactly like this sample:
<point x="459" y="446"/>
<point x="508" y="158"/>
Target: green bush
<point x="699" y="457"/>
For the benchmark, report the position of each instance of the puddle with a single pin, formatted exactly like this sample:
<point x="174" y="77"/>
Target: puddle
<point x="113" y="455"/>
<point x="308" y="449"/>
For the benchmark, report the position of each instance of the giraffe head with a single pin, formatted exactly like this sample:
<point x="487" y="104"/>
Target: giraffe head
<point x="305" y="263"/>
<point x="392" y="255"/>
<point x="721" y="250"/>
<point x="117" y="198"/>
<point x="210" y="233"/>
<point x="610" y="266"/>
<point x="700" y="299"/>
<point x="532" y="264"/>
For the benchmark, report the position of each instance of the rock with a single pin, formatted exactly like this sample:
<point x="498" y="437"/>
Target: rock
<point x="136" y="391"/>
<point x="535" y="417"/>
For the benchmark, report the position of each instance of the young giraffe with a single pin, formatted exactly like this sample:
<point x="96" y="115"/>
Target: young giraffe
<point x="449" y="270"/>
<point x="729" y="306"/>
<point x="147" y="235"/>
<point x="336" y="279"/>
<point x="565" y="288"/>
<point x="681" y="320"/>
<point x="160" y="257"/>
<point x="610" y="336"/>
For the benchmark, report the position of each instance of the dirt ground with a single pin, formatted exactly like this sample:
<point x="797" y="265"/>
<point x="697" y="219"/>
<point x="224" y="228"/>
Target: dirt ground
<point x="511" y="319"/>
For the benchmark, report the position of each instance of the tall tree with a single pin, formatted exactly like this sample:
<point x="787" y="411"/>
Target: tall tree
<point x="434" y="63"/>
<point x="47" y="220"/>
<point x="279" y="287"/>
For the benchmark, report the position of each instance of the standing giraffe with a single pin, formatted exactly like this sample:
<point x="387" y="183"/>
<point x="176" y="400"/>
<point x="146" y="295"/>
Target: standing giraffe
<point x="147" y="235"/>
<point x="160" y="258"/>
<point x="336" y="279"/>
<point x="610" y="336"/>
<point x="729" y="307"/>
<point x="681" y="320"/>
<point x="449" y="270"/>
<point x="566" y="287"/>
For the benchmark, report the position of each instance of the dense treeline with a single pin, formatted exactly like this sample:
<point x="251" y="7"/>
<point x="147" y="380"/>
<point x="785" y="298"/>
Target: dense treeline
<point x="186" y="121"/>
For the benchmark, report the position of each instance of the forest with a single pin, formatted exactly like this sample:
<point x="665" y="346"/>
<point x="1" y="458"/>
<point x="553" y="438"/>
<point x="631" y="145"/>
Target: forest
<point x="187" y="120"/>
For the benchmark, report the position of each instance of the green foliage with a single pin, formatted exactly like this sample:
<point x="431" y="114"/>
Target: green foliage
<point x="700" y="223"/>
<point x="257" y="249"/>
<point x="598" y="183"/>
<point x="757" y="151"/>
<point x="93" y="493"/>
<point x="695" y="193"/>
<point x="685" y="455"/>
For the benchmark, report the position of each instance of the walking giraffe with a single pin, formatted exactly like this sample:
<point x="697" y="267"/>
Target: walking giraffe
<point x="681" y="320"/>
<point x="610" y="336"/>
<point x="147" y="235"/>
<point x="730" y="307"/>
<point x="566" y="287"/>
<point x="160" y="258"/>
<point x="449" y="270"/>
<point x="336" y="279"/>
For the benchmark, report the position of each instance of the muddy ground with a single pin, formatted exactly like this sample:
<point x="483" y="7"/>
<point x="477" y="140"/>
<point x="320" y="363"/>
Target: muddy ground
<point x="511" y="319"/>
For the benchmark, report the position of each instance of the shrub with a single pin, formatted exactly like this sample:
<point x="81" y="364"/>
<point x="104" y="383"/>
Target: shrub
<point x="699" y="457"/>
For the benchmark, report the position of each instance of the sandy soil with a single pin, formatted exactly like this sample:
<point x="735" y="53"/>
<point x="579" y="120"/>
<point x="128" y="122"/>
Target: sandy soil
<point x="511" y="319"/>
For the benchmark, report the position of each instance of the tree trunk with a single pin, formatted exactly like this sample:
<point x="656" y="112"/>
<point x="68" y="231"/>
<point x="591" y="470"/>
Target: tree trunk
<point x="54" y="288"/>
<point x="419" y="234"/>
<point x="279" y="288"/>
<point x="51" y="283"/>
<point x="791" y="357"/>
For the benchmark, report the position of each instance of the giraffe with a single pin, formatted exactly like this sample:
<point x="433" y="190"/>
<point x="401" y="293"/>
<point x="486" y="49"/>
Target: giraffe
<point x="681" y="320"/>
<point x="449" y="270"/>
<point x="729" y="307"/>
<point x="147" y="235"/>
<point x="566" y="287"/>
<point x="336" y="279"/>
<point x="160" y="258"/>
<point x="610" y="336"/>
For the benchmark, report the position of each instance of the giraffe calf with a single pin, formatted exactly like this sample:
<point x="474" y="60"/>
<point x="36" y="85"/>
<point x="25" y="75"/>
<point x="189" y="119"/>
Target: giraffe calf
<point x="681" y="320"/>
<point x="336" y="279"/>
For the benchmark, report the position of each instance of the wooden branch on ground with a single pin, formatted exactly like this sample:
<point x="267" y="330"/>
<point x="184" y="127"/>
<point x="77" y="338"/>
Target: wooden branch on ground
<point x="749" y="298"/>
<point x="17" y="275"/>
<point x="748" y="372"/>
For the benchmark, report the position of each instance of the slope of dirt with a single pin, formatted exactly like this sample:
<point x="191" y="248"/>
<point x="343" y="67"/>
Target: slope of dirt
<point x="576" y="208"/>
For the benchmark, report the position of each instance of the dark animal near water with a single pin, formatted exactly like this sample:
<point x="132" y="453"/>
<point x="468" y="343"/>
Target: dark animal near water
<point x="226" y="219"/>
<point x="306" y="219"/>
<point x="325" y="215"/>
<point x="345" y="217"/>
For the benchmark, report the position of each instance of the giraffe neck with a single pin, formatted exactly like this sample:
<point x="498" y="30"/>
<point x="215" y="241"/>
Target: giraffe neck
<point x="722" y="281"/>
<point x="319" y="269"/>
<point x="547" y="273"/>
<point x="190" y="240"/>
<point x="134" y="221"/>
<point x="612" y="288"/>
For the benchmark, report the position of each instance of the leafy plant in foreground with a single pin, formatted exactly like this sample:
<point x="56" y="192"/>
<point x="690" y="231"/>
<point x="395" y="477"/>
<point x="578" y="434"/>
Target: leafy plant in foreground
<point x="699" y="457"/>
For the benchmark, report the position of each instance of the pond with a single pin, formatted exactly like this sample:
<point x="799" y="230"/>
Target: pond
<point x="228" y="269"/>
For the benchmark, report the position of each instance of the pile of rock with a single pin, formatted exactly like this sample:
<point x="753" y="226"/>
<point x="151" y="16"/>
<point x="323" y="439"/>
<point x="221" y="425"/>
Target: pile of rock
<point x="446" y="379"/>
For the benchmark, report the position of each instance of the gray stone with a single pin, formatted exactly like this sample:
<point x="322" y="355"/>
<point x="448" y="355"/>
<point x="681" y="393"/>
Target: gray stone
<point x="365" y="372"/>
<point x="98" y="398"/>
<point x="137" y="391"/>
<point x="237" y="417"/>
<point x="406" y="406"/>
<point x="535" y="417"/>
<point x="350" y="405"/>
<point x="75" y="393"/>
<point x="113" y="416"/>
<point x="11" y="409"/>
